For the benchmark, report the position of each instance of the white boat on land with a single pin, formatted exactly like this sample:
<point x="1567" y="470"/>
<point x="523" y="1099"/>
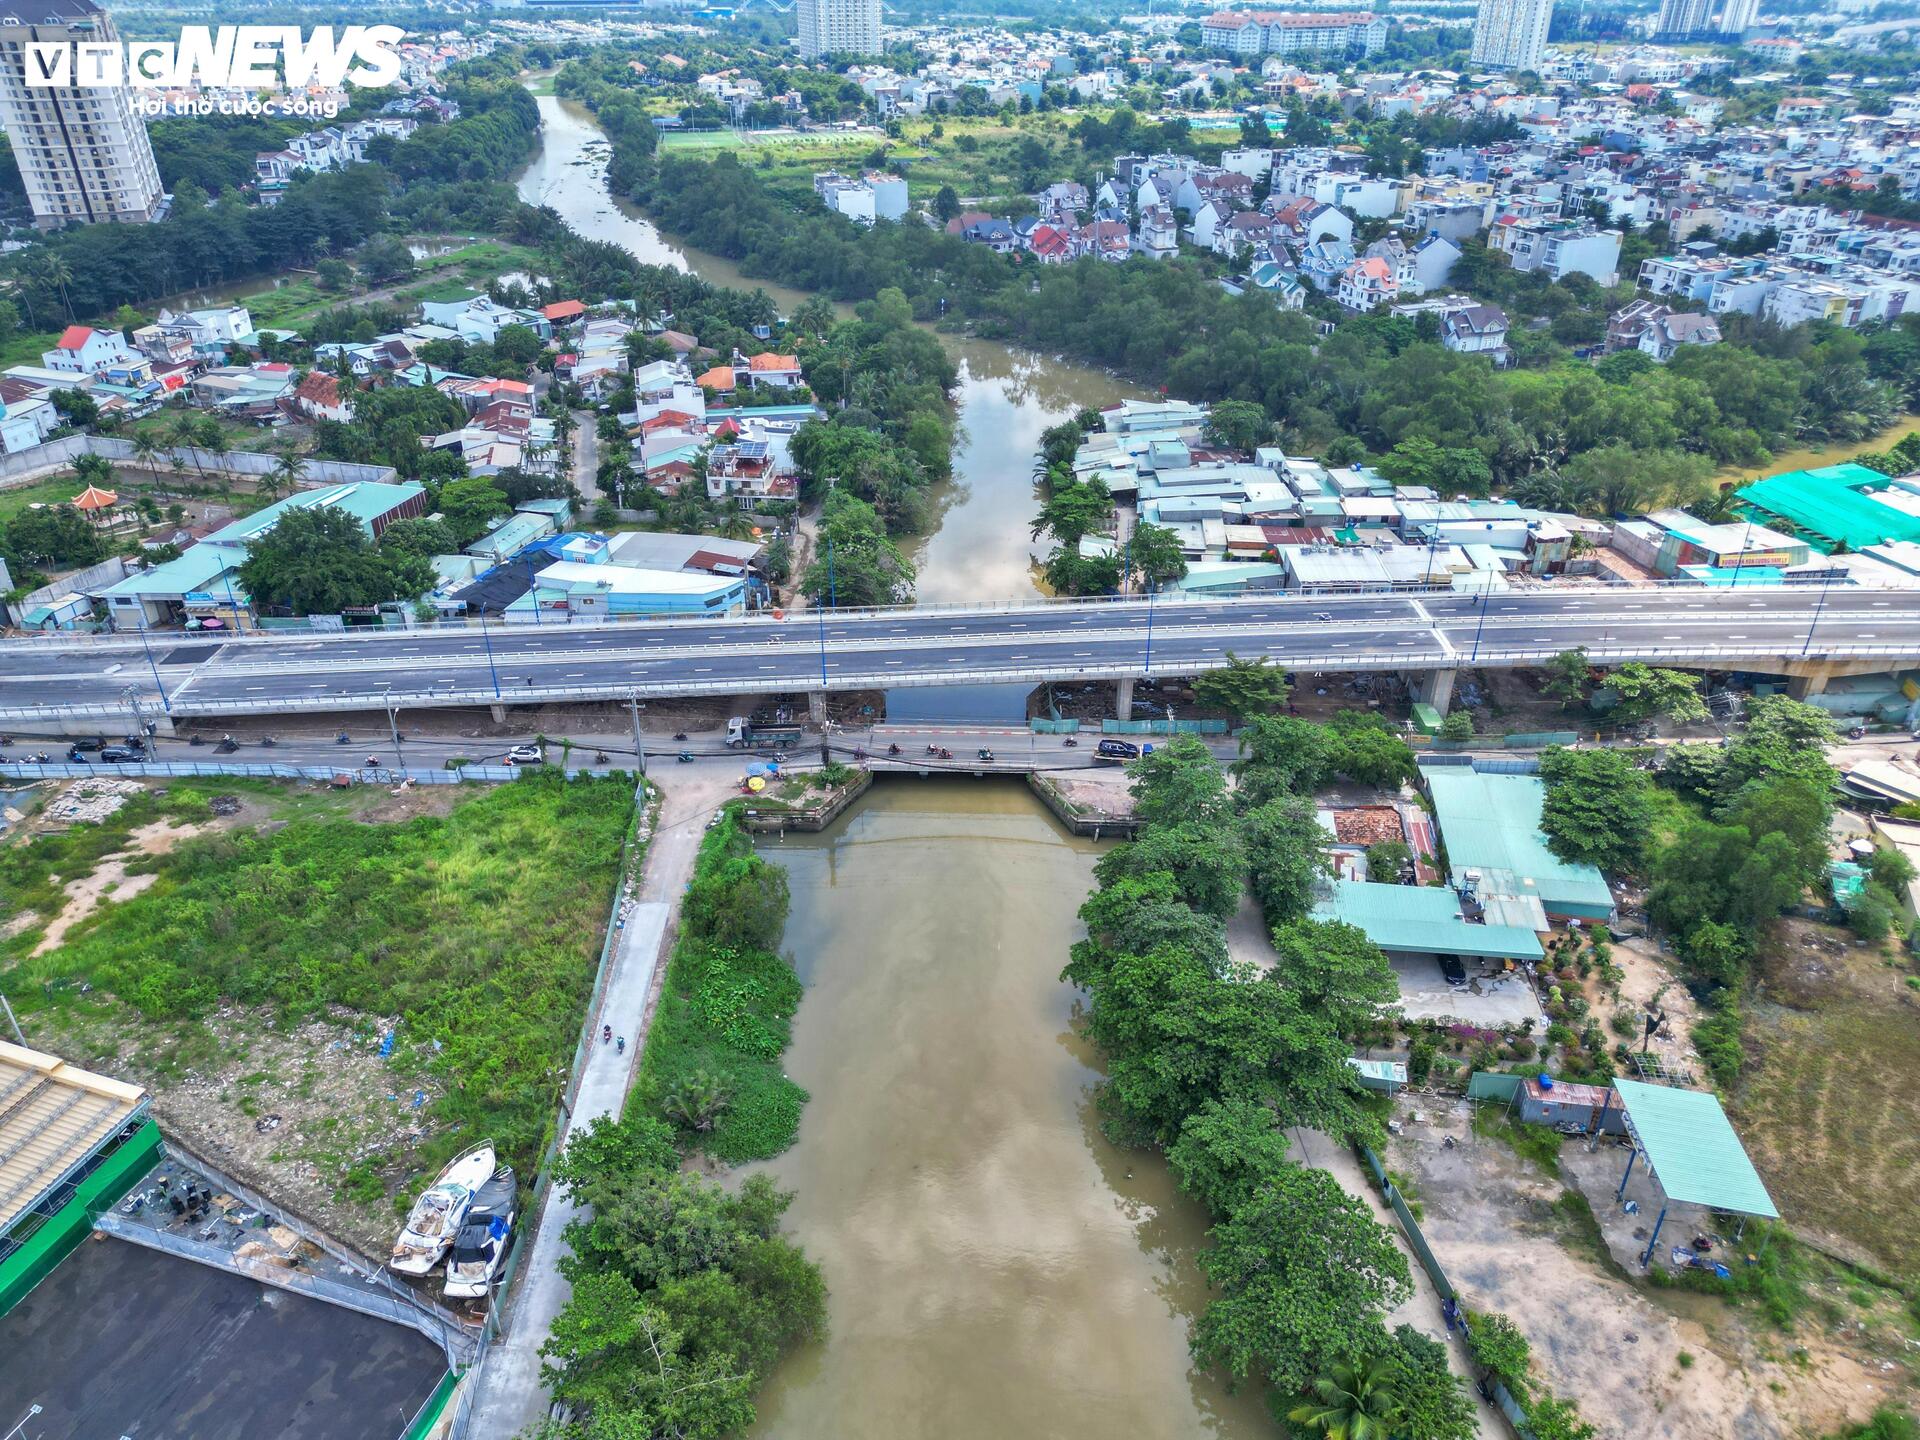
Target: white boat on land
<point x="481" y="1245"/>
<point x="436" y="1216"/>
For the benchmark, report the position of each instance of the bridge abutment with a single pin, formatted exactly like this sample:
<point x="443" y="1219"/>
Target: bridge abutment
<point x="1434" y="687"/>
<point x="499" y="713"/>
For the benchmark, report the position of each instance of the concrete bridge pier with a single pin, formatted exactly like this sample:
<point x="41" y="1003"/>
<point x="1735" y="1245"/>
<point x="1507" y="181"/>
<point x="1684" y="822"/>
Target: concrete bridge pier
<point x="1123" y="699"/>
<point x="817" y="708"/>
<point x="1805" y="687"/>
<point x="1434" y="687"/>
<point x="499" y="713"/>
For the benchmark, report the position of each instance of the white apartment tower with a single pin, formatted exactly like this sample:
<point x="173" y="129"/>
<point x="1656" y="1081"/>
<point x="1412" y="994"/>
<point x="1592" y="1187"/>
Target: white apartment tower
<point x="1683" y="17"/>
<point x="837" y="27"/>
<point x="82" y="151"/>
<point x="1511" y="34"/>
<point x="1738" y="16"/>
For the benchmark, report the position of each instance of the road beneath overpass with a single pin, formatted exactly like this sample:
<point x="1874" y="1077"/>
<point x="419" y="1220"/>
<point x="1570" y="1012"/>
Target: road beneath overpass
<point x="1758" y="628"/>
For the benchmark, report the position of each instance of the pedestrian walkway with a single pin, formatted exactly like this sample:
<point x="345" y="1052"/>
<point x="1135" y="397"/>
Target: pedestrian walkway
<point x="511" y="1396"/>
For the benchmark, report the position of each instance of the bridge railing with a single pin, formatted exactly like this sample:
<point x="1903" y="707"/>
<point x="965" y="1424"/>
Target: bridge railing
<point x="1455" y="658"/>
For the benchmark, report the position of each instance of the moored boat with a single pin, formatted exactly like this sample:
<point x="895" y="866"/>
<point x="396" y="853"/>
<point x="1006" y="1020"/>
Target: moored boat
<point x="437" y="1215"/>
<point x="480" y="1247"/>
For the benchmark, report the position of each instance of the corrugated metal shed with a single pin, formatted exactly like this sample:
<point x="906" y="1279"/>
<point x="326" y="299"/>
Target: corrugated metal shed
<point x="1491" y="823"/>
<point x="1422" y="920"/>
<point x="1831" y="504"/>
<point x="53" y="1116"/>
<point x="1690" y="1143"/>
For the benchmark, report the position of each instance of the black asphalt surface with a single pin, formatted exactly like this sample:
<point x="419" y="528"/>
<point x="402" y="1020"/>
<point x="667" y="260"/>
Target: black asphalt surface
<point x="125" y="1341"/>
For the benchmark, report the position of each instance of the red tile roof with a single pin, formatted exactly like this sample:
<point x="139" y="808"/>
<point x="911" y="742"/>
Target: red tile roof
<point x="773" y="362"/>
<point x="564" y="310"/>
<point x="75" y="337"/>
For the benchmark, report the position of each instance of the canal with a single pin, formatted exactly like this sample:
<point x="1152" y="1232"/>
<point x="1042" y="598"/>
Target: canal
<point x="1006" y="397"/>
<point x="995" y="1266"/>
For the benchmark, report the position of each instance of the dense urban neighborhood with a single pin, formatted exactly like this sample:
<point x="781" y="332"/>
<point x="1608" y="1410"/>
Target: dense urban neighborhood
<point x="835" y="720"/>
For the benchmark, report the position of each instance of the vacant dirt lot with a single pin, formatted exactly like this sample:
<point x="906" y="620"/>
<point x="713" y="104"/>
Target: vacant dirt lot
<point x="1610" y="1343"/>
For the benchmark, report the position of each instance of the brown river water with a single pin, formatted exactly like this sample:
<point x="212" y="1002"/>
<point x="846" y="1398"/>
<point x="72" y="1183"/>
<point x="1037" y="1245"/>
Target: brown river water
<point x="996" y="1268"/>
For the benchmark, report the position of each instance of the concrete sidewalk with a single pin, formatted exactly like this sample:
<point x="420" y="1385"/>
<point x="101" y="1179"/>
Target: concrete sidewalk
<point x="511" y="1396"/>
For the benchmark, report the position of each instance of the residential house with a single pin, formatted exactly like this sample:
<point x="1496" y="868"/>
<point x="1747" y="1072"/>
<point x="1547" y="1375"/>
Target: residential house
<point x="320" y="397"/>
<point x="102" y="354"/>
<point x="1365" y="284"/>
<point x="1158" y="237"/>
<point x="1104" y="240"/>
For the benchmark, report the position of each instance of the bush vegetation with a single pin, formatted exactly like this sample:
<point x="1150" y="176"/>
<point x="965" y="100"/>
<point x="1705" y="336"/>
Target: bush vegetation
<point x="725" y="1014"/>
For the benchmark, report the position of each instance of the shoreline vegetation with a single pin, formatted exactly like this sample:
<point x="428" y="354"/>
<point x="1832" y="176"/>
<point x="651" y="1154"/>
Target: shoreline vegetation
<point x="685" y="1292"/>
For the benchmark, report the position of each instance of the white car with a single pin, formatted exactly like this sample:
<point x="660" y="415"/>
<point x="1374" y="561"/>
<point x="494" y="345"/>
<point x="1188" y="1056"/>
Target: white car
<point x="526" y="755"/>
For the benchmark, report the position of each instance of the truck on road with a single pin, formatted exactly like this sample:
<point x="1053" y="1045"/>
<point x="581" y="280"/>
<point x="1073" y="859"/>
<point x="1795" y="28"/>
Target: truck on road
<point x="741" y="733"/>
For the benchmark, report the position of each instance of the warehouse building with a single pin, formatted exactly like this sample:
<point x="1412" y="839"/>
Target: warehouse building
<point x="1490" y="826"/>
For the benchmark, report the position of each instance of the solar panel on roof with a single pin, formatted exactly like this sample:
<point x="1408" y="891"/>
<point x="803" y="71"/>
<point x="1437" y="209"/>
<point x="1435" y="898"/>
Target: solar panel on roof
<point x="752" y="449"/>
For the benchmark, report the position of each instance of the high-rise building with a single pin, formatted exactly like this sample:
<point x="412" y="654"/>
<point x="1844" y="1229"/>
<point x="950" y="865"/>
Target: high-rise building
<point x="839" y="27"/>
<point x="1511" y="34"/>
<point x="83" y="153"/>
<point x="1683" y="17"/>
<point x="1737" y="16"/>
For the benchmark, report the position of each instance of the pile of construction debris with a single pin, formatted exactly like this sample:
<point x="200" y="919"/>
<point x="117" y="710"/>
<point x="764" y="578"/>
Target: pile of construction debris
<point x="90" y="801"/>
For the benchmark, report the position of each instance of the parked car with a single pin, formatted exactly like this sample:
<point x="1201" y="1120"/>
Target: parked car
<point x="122" y="755"/>
<point x="526" y="755"/>
<point x="1451" y="967"/>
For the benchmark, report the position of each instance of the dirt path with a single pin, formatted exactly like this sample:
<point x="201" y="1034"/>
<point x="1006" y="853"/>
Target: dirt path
<point x="109" y="879"/>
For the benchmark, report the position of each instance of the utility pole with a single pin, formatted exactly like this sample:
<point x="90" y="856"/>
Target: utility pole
<point x="639" y="743"/>
<point x="14" y="1024"/>
<point x="393" y="729"/>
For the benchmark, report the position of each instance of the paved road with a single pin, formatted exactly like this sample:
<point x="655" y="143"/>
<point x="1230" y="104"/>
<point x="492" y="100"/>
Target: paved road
<point x="1755" y="627"/>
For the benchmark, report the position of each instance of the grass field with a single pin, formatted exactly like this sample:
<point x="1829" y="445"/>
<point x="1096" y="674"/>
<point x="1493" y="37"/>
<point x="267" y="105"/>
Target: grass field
<point x="468" y="923"/>
<point x="1826" y="1105"/>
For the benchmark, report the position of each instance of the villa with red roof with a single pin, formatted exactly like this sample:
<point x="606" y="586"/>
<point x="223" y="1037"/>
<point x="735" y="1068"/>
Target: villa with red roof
<point x="83" y="350"/>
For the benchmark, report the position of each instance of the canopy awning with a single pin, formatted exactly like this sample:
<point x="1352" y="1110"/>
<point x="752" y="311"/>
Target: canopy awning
<point x="1690" y="1144"/>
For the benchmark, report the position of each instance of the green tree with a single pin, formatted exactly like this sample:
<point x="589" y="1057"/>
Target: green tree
<point x="1351" y="1401"/>
<point x="420" y="536"/>
<point x="1207" y="861"/>
<point x="1153" y="553"/>
<point x="1287" y="855"/>
<point x="1598" y="808"/>
<point x="1068" y="572"/>
<point x="1451" y="470"/>
<point x="1567" y="675"/>
<point x="1457" y="726"/>
<point x="1644" y="692"/>
<point x="1434" y="1403"/>
<point x="1551" y="1418"/>
<point x="1243" y="688"/>
<point x="1227" y="1149"/>
<point x="54" y="537"/>
<point x="1238" y="425"/>
<point x="1073" y="510"/>
<point x="1387" y="860"/>
<point x="1366" y="750"/>
<point x="946" y="203"/>
<point x="1501" y="1351"/>
<point x="855" y="564"/>
<point x="1179" y="782"/>
<point x="1335" y="970"/>
<point x="319" y="562"/>
<point x="1282" y="755"/>
<point x="468" y="505"/>
<point x="1303" y="1271"/>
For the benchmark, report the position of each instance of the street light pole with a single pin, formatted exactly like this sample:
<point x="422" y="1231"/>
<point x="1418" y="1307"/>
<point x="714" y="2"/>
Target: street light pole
<point x="1149" y="669"/>
<point x="1819" y="606"/>
<point x="147" y="645"/>
<point x="488" y="641"/>
<point x="1486" y="594"/>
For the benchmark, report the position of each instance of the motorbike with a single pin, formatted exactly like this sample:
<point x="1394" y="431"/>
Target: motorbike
<point x="679" y="734"/>
<point x="893" y="749"/>
<point x="6" y="739"/>
<point x="195" y="740"/>
<point x="343" y="738"/>
<point x="372" y="762"/>
<point x="75" y="757"/>
<point x="984" y="754"/>
<point x="268" y="741"/>
<point x="600" y="757"/>
<point x="606" y="1033"/>
<point x="933" y="749"/>
<point x="685" y="757"/>
<point x="1071" y="743"/>
<point x="944" y="753"/>
<point x="620" y="1045"/>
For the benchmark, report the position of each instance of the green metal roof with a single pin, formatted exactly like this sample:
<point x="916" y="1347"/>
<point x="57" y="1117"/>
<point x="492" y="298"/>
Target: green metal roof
<point x="1832" y="504"/>
<point x="1422" y="919"/>
<point x="1491" y="823"/>
<point x="1690" y="1143"/>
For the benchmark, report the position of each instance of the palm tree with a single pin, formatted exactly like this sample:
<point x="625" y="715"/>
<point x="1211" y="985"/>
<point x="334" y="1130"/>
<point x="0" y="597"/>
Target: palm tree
<point x="696" y="1101"/>
<point x="54" y="271"/>
<point x="736" y="526"/>
<point x="211" y="439"/>
<point x="1350" y="1402"/>
<point x="147" y="451"/>
<point x="289" y="469"/>
<point x="184" y="432"/>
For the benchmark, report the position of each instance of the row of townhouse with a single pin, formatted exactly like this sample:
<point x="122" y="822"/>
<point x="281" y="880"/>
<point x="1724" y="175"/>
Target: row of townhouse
<point x="865" y="198"/>
<point x="1274" y="32"/>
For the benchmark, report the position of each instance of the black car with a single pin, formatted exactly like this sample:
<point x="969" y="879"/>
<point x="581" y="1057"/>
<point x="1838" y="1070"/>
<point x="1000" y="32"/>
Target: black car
<point x="121" y="755"/>
<point x="1451" y="967"/>
<point x="1118" y="749"/>
<point x="93" y="744"/>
